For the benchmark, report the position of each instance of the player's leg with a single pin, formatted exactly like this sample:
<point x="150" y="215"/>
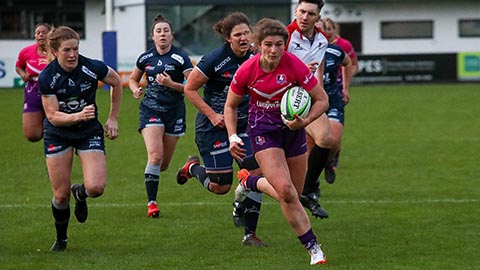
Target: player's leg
<point x="33" y="114"/>
<point x="319" y="132"/>
<point x="33" y="125"/>
<point x="336" y="118"/>
<point x="169" y="146"/>
<point x="59" y="158"/>
<point x="153" y="137"/>
<point x="250" y="207"/>
<point x="216" y="174"/>
<point x="175" y="126"/>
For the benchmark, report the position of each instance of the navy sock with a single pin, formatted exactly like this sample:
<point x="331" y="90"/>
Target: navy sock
<point x="316" y="162"/>
<point x="151" y="185"/>
<point x="198" y="171"/>
<point x="152" y="179"/>
<point x="82" y="193"/>
<point x="61" y="217"/>
<point x="252" y="214"/>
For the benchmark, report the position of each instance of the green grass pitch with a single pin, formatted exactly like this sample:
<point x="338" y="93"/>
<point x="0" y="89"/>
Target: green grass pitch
<point x="406" y="196"/>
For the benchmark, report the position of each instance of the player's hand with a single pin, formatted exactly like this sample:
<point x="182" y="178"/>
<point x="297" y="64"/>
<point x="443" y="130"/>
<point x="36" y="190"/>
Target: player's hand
<point x="297" y="123"/>
<point x="217" y="120"/>
<point x="346" y="95"/>
<point x="236" y="149"/>
<point x="138" y="93"/>
<point x="88" y="113"/>
<point x="26" y="77"/>
<point x="164" y="79"/>
<point x="313" y="66"/>
<point x="111" y="129"/>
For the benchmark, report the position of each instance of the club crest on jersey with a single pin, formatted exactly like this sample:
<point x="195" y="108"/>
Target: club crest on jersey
<point x="281" y="78"/>
<point x="259" y="140"/>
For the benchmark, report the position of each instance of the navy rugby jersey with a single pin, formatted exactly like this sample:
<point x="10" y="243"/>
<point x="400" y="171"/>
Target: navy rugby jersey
<point x="219" y="66"/>
<point x="74" y="91"/>
<point x="333" y="60"/>
<point x="175" y="63"/>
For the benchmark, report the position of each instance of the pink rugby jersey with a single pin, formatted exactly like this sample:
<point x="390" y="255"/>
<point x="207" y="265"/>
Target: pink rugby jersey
<point x="29" y="60"/>
<point x="267" y="88"/>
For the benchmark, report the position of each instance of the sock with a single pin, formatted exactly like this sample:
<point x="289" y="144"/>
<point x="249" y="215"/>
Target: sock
<point x="251" y="183"/>
<point x="82" y="194"/>
<point x="198" y="171"/>
<point x="316" y="162"/>
<point x="61" y="215"/>
<point x="252" y="205"/>
<point x="308" y="239"/>
<point x="152" y="179"/>
<point x="249" y="163"/>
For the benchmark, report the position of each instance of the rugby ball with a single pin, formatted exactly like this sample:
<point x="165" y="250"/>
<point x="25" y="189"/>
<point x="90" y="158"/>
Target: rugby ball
<point x="295" y="101"/>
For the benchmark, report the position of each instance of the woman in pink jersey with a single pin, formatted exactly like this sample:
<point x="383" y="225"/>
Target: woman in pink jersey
<point x="31" y="61"/>
<point x="279" y="145"/>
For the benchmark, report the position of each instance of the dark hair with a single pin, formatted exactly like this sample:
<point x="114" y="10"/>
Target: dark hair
<point x="269" y="27"/>
<point x="46" y="25"/>
<point x="224" y="26"/>
<point x="319" y="3"/>
<point x="59" y="34"/>
<point x="158" y="19"/>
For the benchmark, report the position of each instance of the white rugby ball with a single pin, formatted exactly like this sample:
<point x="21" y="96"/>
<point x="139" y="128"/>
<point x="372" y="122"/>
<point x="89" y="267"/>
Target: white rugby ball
<point x="295" y="101"/>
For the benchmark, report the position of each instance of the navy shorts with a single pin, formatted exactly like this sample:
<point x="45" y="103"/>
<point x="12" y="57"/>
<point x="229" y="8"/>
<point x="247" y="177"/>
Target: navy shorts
<point x="293" y="142"/>
<point x="336" y="109"/>
<point x="214" y="149"/>
<point x="55" y="145"/>
<point x="173" y="121"/>
<point x="336" y="114"/>
<point x="32" y="101"/>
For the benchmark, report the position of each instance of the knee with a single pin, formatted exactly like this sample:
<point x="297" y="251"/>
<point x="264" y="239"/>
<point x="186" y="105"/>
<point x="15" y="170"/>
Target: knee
<point x="287" y="193"/>
<point x="155" y="158"/>
<point x="95" y="190"/>
<point x="33" y="136"/>
<point x="62" y="198"/>
<point x="219" y="189"/>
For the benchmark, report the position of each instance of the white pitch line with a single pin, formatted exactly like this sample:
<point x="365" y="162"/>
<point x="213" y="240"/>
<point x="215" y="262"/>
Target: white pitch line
<point x="206" y="203"/>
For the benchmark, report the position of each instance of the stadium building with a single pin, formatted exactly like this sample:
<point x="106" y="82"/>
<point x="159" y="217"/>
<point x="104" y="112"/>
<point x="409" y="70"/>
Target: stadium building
<point x="397" y="41"/>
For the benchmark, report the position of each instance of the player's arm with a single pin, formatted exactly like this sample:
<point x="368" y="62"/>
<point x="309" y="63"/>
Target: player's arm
<point x="23" y="73"/>
<point x="347" y="74"/>
<point x="58" y="118"/>
<point x="230" y="113"/>
<point x="134" y="83"/>
<point x="320" y="71"/>
<point x="111" y="126"/>
<point x="354" y="65"/>
<point x="195" y="81"/>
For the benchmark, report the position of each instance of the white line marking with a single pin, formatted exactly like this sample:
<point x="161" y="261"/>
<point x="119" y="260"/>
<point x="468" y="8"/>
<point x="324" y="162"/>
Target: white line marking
<point x="203" y="203"/>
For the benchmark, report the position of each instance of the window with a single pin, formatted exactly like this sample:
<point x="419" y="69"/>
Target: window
<point x="407" y="29"/>
<point x="18" y="18"/>
<point x="469" y="28"/>
<point x="193" y="23"/>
